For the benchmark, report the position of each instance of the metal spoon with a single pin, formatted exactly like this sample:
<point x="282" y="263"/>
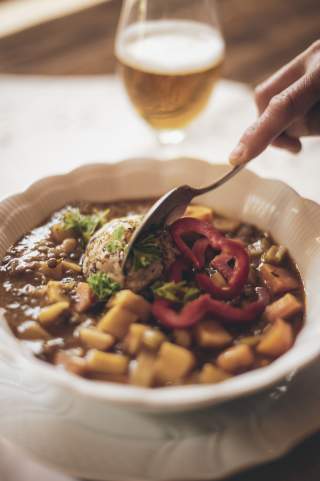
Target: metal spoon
<point x="170" y="207"/>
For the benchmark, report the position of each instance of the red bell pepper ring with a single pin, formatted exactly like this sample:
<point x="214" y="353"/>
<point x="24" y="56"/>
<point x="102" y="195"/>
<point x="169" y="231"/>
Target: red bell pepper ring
<point x="190" y="314"/>
<point x="199" y="249"/>
<point x="195" y="310"/>
<point x="177" y="268"/>
<point x="229" y="250"/>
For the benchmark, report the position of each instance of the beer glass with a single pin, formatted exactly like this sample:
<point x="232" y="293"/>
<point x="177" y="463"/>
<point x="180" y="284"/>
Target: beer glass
<point x="170" y="54"/>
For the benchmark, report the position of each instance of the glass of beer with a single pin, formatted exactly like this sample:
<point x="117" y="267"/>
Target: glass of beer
<point x="170" y="54"/>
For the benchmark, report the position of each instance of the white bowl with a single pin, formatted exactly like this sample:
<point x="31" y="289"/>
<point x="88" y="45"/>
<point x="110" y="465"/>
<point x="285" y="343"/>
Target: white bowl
<point x="39" y="399"/>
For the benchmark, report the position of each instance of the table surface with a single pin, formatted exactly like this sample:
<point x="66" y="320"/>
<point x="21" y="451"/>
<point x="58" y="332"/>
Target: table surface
<point x="260" y="37"/>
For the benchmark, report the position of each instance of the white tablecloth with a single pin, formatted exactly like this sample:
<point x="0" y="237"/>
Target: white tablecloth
<point x="51" y="125"/>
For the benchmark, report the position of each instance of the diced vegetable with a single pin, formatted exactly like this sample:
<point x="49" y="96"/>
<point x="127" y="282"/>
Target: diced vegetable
<point x="200" y="212"/>
<point x="212" y="334"/>
<point x="211" y="374"/>
<point x="236" y="359"/>
<point x="31" y="330"/>
<point x="68" y="245"/>
<point x="259" y="247"/>
<point x="132" y="302"/>
<point x="147" y="251"/>
<point x="117" y="321"/>
<point x="275" y="255"/>
<point x="277" y="340"/>
<point x="52" y="272"/>
<point x="182" y="337"/>
<point x="103" y="285"/>
<point x="225" y="225"/>
<point x="55" y="292"/>
<point x="218" y="279"/>
<point x="152" y="339"/>
<point x="59" y="233"/>
<point x="284" y="308"/>
<point x="142" y="372"/>
<point x="178" y="292"/>
<point x="71" y="266"/>
<point x="107" y="362"/>
<point x="277" y="279"/>
<point x="250" y="340"/>
<point x="84" y="297"/>
<point x="95" y="339"/>
<point x="51" y="314"/>
<point x="173" y="363"/>
<point x="133" y="340"/>
<point x="117" y="242"/>
<point x="82" y="224"/>
<point x="75" y="364"/>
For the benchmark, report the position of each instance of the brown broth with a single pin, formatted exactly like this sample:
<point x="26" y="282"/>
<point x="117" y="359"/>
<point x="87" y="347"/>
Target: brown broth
<point x="20" y="278"/>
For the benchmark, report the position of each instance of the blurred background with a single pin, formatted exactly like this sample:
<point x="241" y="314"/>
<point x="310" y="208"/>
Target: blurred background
<point x="63" y="37"/>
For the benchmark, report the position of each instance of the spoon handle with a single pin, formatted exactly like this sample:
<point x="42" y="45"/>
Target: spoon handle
<point x="220" y="181"/>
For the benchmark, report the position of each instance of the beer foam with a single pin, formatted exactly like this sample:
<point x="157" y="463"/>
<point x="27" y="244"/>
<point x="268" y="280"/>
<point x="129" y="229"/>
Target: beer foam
<point x="171" y="47"/>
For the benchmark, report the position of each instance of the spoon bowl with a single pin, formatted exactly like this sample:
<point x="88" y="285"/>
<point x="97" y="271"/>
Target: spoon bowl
<point x="170" y="207"/>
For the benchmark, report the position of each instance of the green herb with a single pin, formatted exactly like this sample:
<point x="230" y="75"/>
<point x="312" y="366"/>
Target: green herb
<point x="146" y="252"/>
<point x="116" y="243"/>
<point x="102" y="285"/>
<point x="178" y="292"/>
<point x="84" y="224"/>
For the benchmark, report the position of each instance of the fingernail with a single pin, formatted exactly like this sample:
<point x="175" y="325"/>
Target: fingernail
<point x="237" y="156"/>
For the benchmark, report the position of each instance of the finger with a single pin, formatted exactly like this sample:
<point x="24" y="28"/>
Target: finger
<point x="284" y="141"/>
<point x="307" y="125"/>
<point x="282" y="110"/>
<point x="279" y="81"/>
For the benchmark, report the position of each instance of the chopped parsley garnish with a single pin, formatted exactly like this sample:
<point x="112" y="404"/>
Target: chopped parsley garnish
<point x="84" y="224"/>
<point x="146" y="252"/>
<point x="117" y="242"/>
<point x="102" y="285"/>
<point x="179" y="292"/>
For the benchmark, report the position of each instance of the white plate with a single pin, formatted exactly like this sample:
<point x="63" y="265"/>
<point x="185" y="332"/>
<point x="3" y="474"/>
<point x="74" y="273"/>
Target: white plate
<point x="208" y="445"/>
<point x="91" y="430"/>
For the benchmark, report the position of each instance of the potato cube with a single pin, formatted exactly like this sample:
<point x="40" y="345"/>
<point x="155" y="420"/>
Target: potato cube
<point x="211" y="374"/>
<point x="50" y="314"/>
<point x="55" y="292"/>
<point x="132" y="302"/>
<point x="250" y="340"/>
<point x="212" y="334"/>
<point x="133" y="340"/>
<point x="117" y="321"/>
<point x="226" y="225"/>
<point x="277" y="340"/>
<point x="107" y="362"/>
<point x="152" y="339"/>
<point x="236" y="359"/>
<point x="69" y="245"/>
<point x="95" y="339"/>
<point x="277" y="279"/>
<point x="200" y="212"/>
<point x="285" y="307"/>
<point x="71" y="266"/>
<point x="76" y="365"/>
<point x="84" y="297"/>
<point x="182" y="337"/>
<point x="31" y="330"/>
<point x="143" y="370"/>
<point x="173" y="363"/>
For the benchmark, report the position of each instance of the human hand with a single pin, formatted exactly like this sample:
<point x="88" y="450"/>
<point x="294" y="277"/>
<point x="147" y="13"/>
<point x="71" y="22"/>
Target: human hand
<point x="289" y="108"/>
